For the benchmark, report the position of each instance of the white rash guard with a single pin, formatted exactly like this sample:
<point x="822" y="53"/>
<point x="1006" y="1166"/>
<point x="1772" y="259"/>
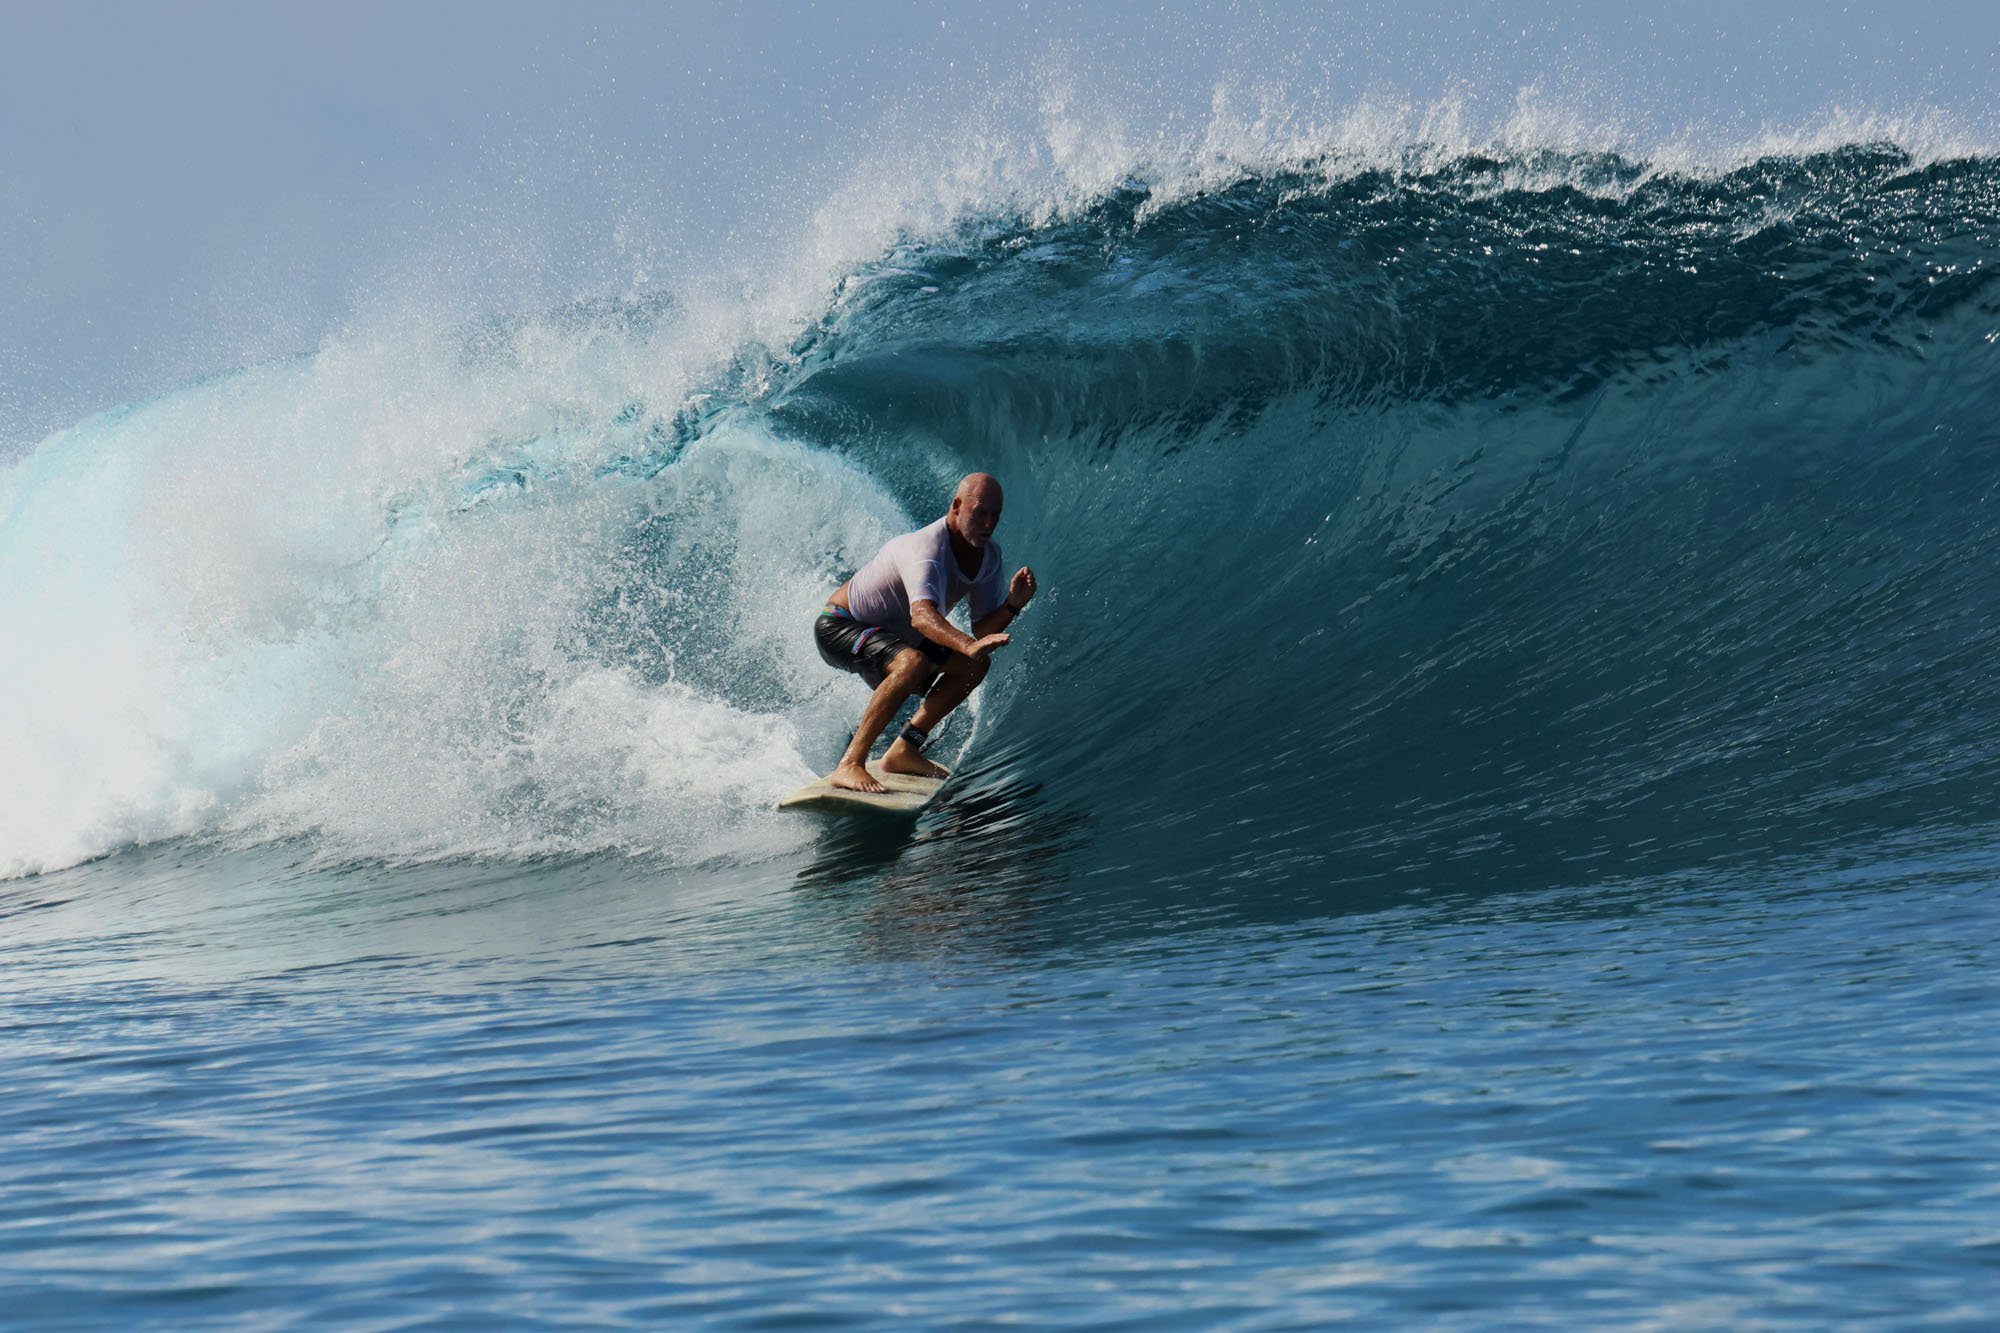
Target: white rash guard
<point x="917" y="567"/>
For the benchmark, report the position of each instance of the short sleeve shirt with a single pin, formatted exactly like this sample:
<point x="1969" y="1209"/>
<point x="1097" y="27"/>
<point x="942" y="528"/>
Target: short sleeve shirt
<point x="917" y="567"/>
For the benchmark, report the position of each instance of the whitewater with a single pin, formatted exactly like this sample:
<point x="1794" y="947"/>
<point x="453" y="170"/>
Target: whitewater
<point x="1491" y="818"/>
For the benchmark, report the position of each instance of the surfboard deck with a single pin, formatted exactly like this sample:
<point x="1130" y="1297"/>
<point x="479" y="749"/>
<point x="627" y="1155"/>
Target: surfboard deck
<point x="906" y="795"/>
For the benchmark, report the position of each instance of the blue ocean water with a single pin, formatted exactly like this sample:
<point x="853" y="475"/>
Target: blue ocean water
<point x="1490" y="821"/>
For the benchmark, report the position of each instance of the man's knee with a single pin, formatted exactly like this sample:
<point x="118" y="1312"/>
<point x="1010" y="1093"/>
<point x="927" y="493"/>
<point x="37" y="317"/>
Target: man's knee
<point x="909" y="670"/>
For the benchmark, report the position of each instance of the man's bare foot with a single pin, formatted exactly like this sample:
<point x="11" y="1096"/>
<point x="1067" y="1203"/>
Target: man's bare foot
<point x="853" y="777"/>
<point x="902" y="758"/>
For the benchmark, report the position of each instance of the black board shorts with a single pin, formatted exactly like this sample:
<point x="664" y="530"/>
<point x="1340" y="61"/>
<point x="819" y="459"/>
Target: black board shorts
<point x="867" y="650"/>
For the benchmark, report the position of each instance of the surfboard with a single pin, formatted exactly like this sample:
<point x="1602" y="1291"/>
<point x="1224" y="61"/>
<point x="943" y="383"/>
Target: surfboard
<point x="906" y="795"/>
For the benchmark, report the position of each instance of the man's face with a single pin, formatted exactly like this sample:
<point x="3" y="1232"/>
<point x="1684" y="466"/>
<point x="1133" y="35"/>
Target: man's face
<point x="976" y="515"/>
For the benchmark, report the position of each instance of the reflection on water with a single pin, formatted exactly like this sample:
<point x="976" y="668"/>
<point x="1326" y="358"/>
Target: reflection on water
<point x="981" y="868"/>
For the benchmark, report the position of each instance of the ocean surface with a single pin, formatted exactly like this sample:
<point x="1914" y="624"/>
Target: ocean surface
<point x="1493" y="820"/>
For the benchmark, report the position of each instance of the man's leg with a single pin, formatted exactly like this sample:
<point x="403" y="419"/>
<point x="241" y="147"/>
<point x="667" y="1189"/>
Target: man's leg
<point x="961" y="677"/>
<point x="899" y="682"/>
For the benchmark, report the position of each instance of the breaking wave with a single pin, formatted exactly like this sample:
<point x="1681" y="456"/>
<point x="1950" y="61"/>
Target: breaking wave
<point x="1480" y="516"/>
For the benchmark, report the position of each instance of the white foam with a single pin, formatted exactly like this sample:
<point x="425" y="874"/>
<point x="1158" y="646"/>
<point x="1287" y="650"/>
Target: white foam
<point x="490" y="722"/>
<point x="261" y="608"/>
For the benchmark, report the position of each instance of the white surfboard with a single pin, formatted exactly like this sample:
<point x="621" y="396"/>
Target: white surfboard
<point x="906" y="795"/>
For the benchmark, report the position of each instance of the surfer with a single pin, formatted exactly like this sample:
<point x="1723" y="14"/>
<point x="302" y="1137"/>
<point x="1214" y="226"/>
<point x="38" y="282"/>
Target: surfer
<point x="887" y="625"/>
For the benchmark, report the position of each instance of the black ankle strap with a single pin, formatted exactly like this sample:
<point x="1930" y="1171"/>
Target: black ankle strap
<point x="915" y="738"/>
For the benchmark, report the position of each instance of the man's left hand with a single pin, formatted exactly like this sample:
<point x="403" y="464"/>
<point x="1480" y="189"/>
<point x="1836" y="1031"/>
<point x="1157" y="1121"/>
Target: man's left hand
<point x="1022" y="590"/>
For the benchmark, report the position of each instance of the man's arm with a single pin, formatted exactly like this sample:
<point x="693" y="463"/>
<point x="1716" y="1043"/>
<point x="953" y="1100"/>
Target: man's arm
<point x="924" y="618"/>
<point x="1020" y="592"/>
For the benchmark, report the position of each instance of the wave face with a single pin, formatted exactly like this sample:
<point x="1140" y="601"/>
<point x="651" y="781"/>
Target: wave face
<point x="1499" y="520"/>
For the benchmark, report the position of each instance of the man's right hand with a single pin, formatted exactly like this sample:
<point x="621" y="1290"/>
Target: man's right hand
<point x="984" y="647"/>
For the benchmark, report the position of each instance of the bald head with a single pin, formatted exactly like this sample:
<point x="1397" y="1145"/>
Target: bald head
<point x="975" y="509"/>
<point x="979" y="486"/>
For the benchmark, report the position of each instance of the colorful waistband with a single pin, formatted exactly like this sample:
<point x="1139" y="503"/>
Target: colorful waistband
<point x="830" y="609"/>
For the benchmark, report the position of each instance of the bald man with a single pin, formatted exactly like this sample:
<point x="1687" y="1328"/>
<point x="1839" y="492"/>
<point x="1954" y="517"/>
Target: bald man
<point x="887" y="625"/>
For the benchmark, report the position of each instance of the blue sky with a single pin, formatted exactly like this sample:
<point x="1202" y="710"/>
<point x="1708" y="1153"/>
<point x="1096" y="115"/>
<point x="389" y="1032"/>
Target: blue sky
<point x="188" y="187"/>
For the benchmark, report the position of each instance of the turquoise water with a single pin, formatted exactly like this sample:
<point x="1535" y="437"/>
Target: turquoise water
<point x="1490" y="821"/>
